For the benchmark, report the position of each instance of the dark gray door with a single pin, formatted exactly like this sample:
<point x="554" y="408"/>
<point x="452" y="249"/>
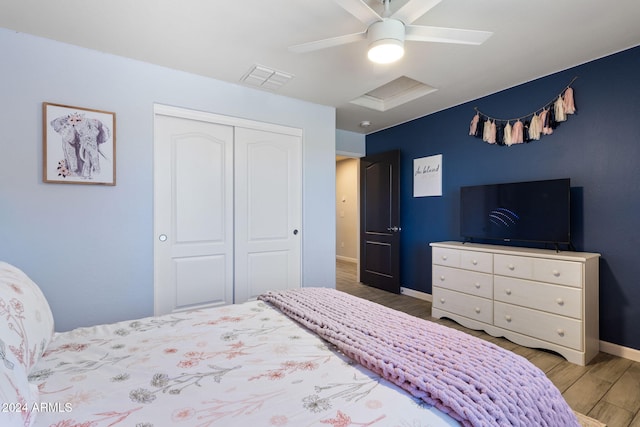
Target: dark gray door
<point x="380" y="221"/>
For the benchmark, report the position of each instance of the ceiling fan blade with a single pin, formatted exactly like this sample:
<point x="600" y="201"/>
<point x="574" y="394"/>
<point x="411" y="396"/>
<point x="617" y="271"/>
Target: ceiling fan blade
<point x="325" y="43"/>
<point x="414" y="9"/>
<point x="360" y="10"/>
<point x="445" y="35"/>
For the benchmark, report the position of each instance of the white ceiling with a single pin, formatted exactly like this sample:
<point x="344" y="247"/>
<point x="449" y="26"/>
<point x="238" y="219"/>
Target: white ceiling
<point x="224" y="40"/>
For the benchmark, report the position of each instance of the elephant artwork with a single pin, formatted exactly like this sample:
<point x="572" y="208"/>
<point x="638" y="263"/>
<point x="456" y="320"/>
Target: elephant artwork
<point x="81" y="140"/>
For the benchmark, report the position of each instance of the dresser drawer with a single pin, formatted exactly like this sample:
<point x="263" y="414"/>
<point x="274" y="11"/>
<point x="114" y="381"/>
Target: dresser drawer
<point x="548" y="327"/>
<point x="513" y="266"/>
<point x="556" y="271"/>
<point x="477" y="261"/>
<point x="469" y="282"/>
<point x="444" y="256"/>
<point x="470" y="306"/>
<point x="545" y="270"/>
<point x="562" y="300"/>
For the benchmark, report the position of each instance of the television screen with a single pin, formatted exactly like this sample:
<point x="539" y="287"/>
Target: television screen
<point x="535" y="211"/>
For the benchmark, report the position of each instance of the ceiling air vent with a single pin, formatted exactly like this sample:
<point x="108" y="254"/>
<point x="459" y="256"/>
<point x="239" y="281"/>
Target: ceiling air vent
<point x="266" y="78"/>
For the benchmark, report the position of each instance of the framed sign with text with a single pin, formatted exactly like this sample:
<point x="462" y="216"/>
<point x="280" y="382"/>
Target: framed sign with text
<point x="427" y="176"/>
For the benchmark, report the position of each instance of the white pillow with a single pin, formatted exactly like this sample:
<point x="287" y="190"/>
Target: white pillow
<point x="26" y="328"/>
<point x="26" y="321"/>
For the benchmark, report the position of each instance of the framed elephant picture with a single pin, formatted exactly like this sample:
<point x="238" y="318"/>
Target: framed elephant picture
<point x="79" y="145"/>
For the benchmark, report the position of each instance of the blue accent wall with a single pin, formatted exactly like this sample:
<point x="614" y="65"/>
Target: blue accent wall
<point x="598" y="148"/>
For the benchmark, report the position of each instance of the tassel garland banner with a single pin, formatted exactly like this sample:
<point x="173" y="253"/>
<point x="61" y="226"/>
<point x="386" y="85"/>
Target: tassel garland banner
<point x="526" y="128"/>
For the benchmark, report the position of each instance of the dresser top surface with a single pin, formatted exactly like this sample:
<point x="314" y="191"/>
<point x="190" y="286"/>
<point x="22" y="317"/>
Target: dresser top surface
<point x="515" y="250"/>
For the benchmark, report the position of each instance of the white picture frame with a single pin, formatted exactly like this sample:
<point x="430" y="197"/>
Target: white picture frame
<point x="427" y="176"/>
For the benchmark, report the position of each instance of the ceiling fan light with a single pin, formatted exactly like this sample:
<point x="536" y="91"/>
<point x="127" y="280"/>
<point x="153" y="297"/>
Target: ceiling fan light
<point x="386" y="51"/>
<point x="386" y="41"/>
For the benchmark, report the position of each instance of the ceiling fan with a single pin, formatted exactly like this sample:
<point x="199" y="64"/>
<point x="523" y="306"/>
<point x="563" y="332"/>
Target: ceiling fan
<point x="386" y="34"/>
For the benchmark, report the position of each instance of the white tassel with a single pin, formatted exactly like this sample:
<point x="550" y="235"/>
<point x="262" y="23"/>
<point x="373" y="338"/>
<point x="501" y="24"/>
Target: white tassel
<point x="559" y="110"/>
<point x="486" y="131"/>
<point x="507" y="134"/>
<point x="492" y="133"/>
<point x="535" y="128"/>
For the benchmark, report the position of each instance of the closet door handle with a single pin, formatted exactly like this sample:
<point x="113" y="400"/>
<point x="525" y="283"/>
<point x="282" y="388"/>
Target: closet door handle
<point x="295" y="232"/>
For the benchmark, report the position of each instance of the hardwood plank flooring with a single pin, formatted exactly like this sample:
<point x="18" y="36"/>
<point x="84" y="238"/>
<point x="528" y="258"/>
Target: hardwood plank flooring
<point x="608" y="389"/>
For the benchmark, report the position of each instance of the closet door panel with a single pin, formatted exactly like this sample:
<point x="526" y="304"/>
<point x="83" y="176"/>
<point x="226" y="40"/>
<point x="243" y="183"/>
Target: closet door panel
<point x="193" y="214"/>
<point x="268" y="200"/>
<point x="200" y="280"/>
<point x="266" y="271"/>
<point x="198" y="169"/>
<point x="267" y="191"/>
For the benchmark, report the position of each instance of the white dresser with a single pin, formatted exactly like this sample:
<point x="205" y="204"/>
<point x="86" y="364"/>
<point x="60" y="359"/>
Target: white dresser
<point x="534" y="297"/>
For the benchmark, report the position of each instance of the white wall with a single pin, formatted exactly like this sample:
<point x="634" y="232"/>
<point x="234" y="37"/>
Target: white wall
<point x="350" y="144"/>
<point x="90" y="247"/>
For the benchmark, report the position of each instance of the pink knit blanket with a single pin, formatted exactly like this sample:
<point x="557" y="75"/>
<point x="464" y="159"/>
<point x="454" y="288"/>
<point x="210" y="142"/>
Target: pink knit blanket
<point x="474" y="381"/>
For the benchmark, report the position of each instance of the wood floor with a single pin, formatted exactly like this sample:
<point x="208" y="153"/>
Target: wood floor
<point x="608" y="389"/>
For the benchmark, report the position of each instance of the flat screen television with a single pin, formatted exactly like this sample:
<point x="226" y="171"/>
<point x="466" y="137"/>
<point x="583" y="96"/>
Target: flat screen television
<point x="534" y="211"/>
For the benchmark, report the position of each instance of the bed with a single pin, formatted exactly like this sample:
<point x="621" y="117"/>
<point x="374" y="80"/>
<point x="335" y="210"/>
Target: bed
<point x="304" y="357"/>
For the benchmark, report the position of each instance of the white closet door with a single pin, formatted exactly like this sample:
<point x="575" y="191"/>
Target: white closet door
<point x="193" y="214"/>
<point x="268" y="204"/>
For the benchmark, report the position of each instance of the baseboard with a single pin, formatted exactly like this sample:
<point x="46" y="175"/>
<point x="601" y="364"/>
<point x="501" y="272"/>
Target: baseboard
<point x="620" y="351"/>
<point x="346" y="259"/>
<point x="416" y="294"/>
<point x="605" y="347"/>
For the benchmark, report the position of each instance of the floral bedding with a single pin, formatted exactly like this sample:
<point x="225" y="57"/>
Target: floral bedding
<point x="239" y="365"/>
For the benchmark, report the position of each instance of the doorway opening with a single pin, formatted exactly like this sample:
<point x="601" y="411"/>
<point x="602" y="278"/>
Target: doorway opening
<point x="348" y="213"/>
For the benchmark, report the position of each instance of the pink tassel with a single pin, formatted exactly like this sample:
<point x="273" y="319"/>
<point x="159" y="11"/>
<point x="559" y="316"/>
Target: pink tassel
<point x="559" y="110"/>
<point x="569" y="103"/>
<point x="517" y="133"/>
<point x="473" y="126"/>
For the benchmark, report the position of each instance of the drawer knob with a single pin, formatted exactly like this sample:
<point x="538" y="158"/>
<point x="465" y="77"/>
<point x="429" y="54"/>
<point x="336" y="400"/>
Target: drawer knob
<point x="477" y="310"/>
<point x="444" y="257"/>
<point x="477" y="285"/>
<point x="507" y="291"/>
<point x="560" y="332"/>
<point x="507" y="318"/>
<point x="474" y="262"/>
<point x="556" y="273"/>
<point x="560" y="301"/>
<point x="441" y="300"/>
<point x="442" y="278"/>
<point x="511" y="267"/>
